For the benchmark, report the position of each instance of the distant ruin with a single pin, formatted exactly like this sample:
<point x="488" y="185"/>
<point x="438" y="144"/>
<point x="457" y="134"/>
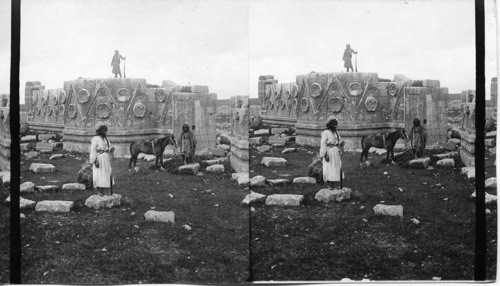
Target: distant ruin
<point x="131" y="110"/>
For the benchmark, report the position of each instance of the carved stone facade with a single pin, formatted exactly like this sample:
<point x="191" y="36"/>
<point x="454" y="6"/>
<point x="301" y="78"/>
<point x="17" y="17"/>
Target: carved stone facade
<point x="131" y="111"/>
<point x="360" y="103"/>
<point x="240" y="115"/>
<point x="468" y="127"/>
<point x="5" y="139"/>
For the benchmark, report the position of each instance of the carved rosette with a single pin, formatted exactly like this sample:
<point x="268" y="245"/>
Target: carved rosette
<point x="62" y="96"/>
<point x="335" y="104"/>
<point x="371" y="103"/>
<point x="392" y="89"/>
<point x="304" y="105"/>
<point x="123" y="95"/>
<point x="83" y="96"/>
<point x="316" y="90"/>
<point x="139" y="109"/>
<point x="160" y="95"/>
<point x="72" y="111"/>
<point x="355" y="89"/>
<point x="103" y="110"/>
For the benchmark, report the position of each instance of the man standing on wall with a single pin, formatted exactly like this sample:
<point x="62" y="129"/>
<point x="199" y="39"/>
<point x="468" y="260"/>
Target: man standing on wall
<point x="115" y="63"/>
<point x="347" y="57"/>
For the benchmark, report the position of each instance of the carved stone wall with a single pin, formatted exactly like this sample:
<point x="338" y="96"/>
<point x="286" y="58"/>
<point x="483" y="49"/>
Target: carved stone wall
<point x="5" y="140"/>
<point x="468" y="127"/>
<point x="239" y="134"/>
<point x="131" y="111"/>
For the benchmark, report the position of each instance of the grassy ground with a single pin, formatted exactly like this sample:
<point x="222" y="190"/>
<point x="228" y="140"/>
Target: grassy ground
<point x="319" y="241"/>
<point x="4" y="238"/>
<point x="118" y="246"/>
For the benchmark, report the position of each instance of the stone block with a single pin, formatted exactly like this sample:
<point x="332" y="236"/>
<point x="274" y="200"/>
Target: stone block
<point x="388" y="210"/>
<point x="273" y="162"/>
<point x="28" y="138"/>
<point x="23" y="203"/>
<point x="255" y="140"/>
<point x="454" y="141"/>
<point x="456" y="133"/>
<point x="278" y="141"/>
<point x="6" y="177"/>
<point x="243" y="180"/>
<point x="225" y="139"/>
<point x="284" y="200"/>
<point x="40" y="168"/>
<point x="263" y="148"/>
<point x="431" y="83"/>
<point x="442" y="156"/>
<point x="491" y="183"/>
<point x="467" y="158"/>
<point x="141" y="156"/>
<point x="224" y="147"/>
<point x="274" y="182"/>
<point x="149" y="157"/>
<point x="235" y="176"/>
<point x="199" y="88"/>
<point x="470" y="172"/>
<point x="258" y="181"/>
<point x="30" y="155"/>
<point x="449" y="146"/>
<point x="219" y="152"/>
<point x="190" y="168"/>
<point x="217" y="168"/>
<point x="56" y="156"/>
<point x="492" y="134"/>
<point x="304" y="180"/>
<point x="47" y="188"/>
<point x="489" y="143"/>
<point x="401" y="78"/>
<point x="27" y="187"/>
<point x="421" y="163"/>
<point x="25" y="146"/>
<point x="380" y="151"/>
<point x="159" y="216"/>
<point x="103" y="202"/>
<point x="215" y="161"/>
<point x="253" y="198"/>
<point x="335" y="195"/>
<point x="45" y="137"/>
<point x="278" y="130"/>
<point x="73" y="186"/>
<point x="288" y="150"/>
<point x="54" y="206"/>
<point x="42" y="146"/>
<point x="261" y="132"/>
<point x="446" y="163"/>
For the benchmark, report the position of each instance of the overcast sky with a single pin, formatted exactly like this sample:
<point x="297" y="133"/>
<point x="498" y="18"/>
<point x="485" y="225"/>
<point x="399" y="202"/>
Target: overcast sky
<point x="227" y="44"/>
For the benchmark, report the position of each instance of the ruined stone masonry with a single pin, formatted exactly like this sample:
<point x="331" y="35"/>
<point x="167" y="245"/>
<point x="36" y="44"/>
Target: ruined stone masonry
<point x="240" y="114"/>
<point x="5" y="140"/>
<point x="131" y="111"/>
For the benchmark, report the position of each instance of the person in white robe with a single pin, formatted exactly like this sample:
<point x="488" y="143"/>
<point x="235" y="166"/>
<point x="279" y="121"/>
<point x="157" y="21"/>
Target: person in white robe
<point x="330" y="152"/>
<point x="100" y="158"/>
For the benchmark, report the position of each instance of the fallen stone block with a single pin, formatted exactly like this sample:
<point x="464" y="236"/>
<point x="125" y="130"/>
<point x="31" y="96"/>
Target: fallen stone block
<point x="141" y="156"/>
<point x="219" y="152"/>
<point x="149" y="157"/>
<point x="450" y="146"/>
<point x="278" y="130"/>
<point x="224" y="147"/>
<point x="243" y="180"/>
<point x="273" y="162"/>
<point x="263" y="148"/>
<point x="304" y="180"/>
<point x="24" y="146"/>
<point x="335" y="195"/>
<point x="288" y="150"/>
<point x="225" y="139"/>
<point x="489" y="143"/>
<point x="101" y="202"/>
<point x="73" y="186"/>
<point x="42" y="146"/>
<point x="278" y="141"/>
<point x="491" y="183"/>
<point x="28" y="138"/>
<point x="488" y="198"/>
<point x="380" y="152"/>
<point x="54" y="206"/>
<point x="454" y="141"/>
<point x="491" y="134"/>
<point x="30" y="155"/>
<point x="159" y="216"/>
<point x="27" y="187"/>
<point x="235" y="176"/>
<point x="372" y="150"/>
<point x="46" y="188"/>
<point x="255" y="140"/>
<point x="6" y="177"/>
<point x="261" y="132"/>
<point x="190" y="168"/>
<point x="470" y="172"/>
<point x="45" y="137"/>
<point x="40" y="168"/>
<point x="422" y="163"/>
<point x="215" y="161"/>
<point x="23" y="203"/>
<point x="258" y="181"/>
<point x="446" y="163"/>
<point x="217" y="168"/>
<point x="388" y="210"/>
<point x="284" y="200"/>
<point x="56" y="156"/>
<point x="274" y="182"/>
<point x="442" y="156"/>
<point x="253" y="198"/>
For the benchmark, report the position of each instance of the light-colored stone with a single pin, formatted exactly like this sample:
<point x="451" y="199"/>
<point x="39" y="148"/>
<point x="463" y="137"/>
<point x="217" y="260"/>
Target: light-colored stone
<point x="27" y="187"/>
<point x="380" y="151"/>
<point x="273" y="162"/>
<point x="40" y="168"/>
<point x="243" y="180"/>
<point x="422" y="163"/>
<point x="45" y="137"/>
<point x="304" y="180"/>
<point x="258" y="181"/>
<point x="253" y="197"/>
<point x="30" y="155"/>
<point x="381" y="209"/>
<point x="73" y="186"/>
<point x="442" y="156"/>
<point x="23" y="203"/>
<point x="263" y="148"/>
<point x="54" y="206"/>
<point x="277" y="141"/>
<point x="24" y="146"/>
<point x="454" y="141"/>
<point x="288" y="150"/>
<point x="255" y="140"/>
<point x="42" y="146"/>
<point x="141" y="156"/>
<point x="446" y="162"/>
<point x="261" y="132"/>
<point x="224" y="147"/>
<point x="149" y="157"/>
<point x="235" y="176"/>
<point x="489" y="143"/>
<point x="28" y="138"/>
<point x="284" y="200"/>
<point x="488" y="198"/>
<point x="219" y="152"/>
<point x="46" y="188"/>
<point x="491" y="134"/>
<point x="470" y="172"/>
<point x="450" y="146"/>
<point x="335" y="195"/>
<point x="491" y="183"/>
<point x="274" y="182"/>
<point x="215" y="161"/>
<point x="6" y="177"/>
<point x="159" y="216"/>
<point x="190" y="168"/>
<point x="56" y="156"/>
<point x="217" y="168"/>
<point x="102" y="202"/>
<point x="278" y="130"/>
<point x="372" y="150"/>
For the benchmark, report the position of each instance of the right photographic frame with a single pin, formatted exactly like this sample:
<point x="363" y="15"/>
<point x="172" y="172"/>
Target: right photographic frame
<point x="362" y="138"/>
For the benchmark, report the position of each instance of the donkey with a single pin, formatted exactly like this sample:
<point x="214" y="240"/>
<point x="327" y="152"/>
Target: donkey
<point x="385" y="140"/>
<point x="156" y="147"/>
